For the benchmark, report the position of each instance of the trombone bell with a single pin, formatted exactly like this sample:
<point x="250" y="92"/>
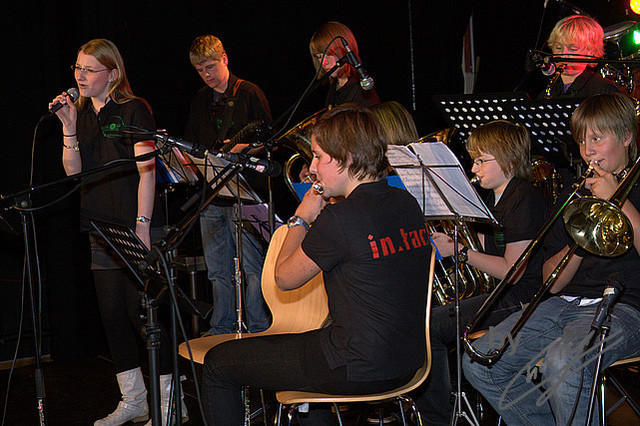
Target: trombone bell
<point x="598" y="226"/>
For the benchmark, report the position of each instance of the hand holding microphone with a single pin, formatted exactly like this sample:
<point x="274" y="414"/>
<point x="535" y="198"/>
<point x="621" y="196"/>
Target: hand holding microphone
<point x="67" y="115"/>
<point x="63" y="99"/>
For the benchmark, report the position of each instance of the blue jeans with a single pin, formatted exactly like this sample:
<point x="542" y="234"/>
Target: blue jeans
<point x="557" y="332"/>
<point x="217" y="227"/>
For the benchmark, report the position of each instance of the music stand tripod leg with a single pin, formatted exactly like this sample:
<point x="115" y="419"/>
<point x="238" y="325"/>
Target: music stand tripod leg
<point x="152" y="334"/>
<point x="458" y="410"/>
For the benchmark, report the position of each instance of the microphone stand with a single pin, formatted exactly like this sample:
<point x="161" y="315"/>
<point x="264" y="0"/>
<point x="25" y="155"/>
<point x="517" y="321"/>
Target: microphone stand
<point x="21" y="201"/>
<point x="603" y="332"/>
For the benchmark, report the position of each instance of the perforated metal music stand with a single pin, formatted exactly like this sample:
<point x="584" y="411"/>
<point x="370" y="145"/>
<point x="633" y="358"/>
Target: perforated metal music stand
<point x="547" y="119"/>
<point x="548" y="122"/>
<point x="466" y="112"/>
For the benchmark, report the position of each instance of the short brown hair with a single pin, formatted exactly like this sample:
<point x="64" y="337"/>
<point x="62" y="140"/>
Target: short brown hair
<point x="204" y="48"/>
<point x="508" y="142"/>
<point x="612" y="112"/>
<point x="353" y="131"/>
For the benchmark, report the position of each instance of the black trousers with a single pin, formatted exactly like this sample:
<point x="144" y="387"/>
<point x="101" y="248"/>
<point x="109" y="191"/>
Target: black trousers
<point x="279" y="362"/>
<point x="120" y="307"/>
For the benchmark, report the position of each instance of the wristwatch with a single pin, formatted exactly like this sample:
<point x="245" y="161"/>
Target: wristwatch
<point x="142" y="219"/>
<point x="297" y="221"/>
<point x="463" y="256"/>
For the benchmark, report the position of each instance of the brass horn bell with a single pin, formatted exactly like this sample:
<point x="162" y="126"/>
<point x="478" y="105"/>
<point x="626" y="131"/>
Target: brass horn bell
<point x="598" y="226"/>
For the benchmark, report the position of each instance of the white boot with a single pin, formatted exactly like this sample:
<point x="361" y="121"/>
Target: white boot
<point x="165" y="397"/>
<point x="133" y="406"/>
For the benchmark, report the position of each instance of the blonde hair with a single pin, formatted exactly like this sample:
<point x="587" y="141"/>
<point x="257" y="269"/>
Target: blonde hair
<point x="508" y="142"/>
<point x="582" y="30"/>
<point x="612" y="112"/>
<point x="397" y="123"/>
<point x="204" y="48"/>
<point x="326" y="34"/>
<point x="106" y="52"/>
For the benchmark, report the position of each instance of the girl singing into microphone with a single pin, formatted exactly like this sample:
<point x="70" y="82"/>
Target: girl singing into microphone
<point x="123" y="195"/>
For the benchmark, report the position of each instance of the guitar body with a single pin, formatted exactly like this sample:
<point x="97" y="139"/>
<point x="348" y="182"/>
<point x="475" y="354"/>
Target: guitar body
<point x="294" y="311"/>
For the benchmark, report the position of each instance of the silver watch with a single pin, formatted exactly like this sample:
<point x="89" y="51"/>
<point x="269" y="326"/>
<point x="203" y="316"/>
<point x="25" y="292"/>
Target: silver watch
<point x="297" y="221"/>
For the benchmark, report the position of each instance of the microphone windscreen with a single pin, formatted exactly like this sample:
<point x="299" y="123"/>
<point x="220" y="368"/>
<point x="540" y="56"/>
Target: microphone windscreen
<point x="73" y="93"/>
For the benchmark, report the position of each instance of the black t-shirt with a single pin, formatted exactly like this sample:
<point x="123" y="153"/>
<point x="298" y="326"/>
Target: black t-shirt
<point x="590" y="279"/>
<point x="206" y="118"/>
<point x="351" y="92"/>
<point x="111" y="195"/>
<point x="204" y="125"/>
<point x="521" y="212"/>
<point x="587" y="84"/>
<point x="373" y="250"/>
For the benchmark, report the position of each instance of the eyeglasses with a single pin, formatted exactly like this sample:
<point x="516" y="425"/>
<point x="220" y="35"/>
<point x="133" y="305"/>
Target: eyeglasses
<point x="79" y="69"/>
<point x="481" y="161"/>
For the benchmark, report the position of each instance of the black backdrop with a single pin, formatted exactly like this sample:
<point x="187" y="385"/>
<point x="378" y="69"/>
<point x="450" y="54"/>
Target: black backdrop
<point x="267" y="43"/>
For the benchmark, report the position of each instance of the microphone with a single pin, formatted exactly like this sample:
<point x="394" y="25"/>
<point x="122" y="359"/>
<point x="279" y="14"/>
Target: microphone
<point x="547" y="67"/>
<point x="193" y="148"/>
<point x="366" y="82"/>
<point x="543" y="63"/>
<point x="260" y="165"/>
<point x="609" y="296"/>
<point x="73" y="94"/>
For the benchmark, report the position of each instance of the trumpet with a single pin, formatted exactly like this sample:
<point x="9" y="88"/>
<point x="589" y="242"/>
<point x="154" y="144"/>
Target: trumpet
<point x="594" y="224"/>
<point x="317" y="186"/>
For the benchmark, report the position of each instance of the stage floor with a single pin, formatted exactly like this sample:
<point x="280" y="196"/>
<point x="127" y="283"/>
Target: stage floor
<point x="80" y="391"/>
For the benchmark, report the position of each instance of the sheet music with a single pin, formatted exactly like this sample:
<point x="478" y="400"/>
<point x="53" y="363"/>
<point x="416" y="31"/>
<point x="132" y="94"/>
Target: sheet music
<point x="434" y="176"/>
<point x="172" y="167"/>
<point x="400" y="155"/>
<point x="211" y="165"/>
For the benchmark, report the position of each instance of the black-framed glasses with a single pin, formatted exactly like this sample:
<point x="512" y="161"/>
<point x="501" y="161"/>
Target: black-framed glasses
<point x="481" y="161"/>
<point x="90" y="71"/>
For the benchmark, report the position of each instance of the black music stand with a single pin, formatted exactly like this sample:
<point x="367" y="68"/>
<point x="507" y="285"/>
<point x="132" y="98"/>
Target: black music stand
<point x="466" y="112"/>
<point x="126" y="244"/>
<point x="240" y="191"/>
<point x="547" y="119"/>
<point x="548" y="122"/>
<point x="434" y="176"/>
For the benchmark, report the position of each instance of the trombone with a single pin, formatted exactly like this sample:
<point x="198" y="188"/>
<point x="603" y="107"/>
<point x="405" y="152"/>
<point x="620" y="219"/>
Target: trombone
<point x="598" y="226"/>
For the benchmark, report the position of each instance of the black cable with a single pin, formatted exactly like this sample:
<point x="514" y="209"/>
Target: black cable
<point x="306" y="90"/>
<point x="15" y="354"/>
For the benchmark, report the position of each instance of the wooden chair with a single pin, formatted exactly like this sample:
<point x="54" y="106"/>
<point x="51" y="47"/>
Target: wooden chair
<point x="296" y="398"/>
<point x="294" y="311"/>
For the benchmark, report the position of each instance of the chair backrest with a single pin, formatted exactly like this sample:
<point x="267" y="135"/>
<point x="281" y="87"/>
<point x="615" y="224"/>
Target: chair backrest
<point x="293" y="311"/>
<point x="298" y="397"/>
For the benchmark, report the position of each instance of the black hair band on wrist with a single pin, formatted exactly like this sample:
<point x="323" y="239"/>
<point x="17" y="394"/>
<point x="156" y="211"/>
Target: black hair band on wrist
<point x="69" y="136"/>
